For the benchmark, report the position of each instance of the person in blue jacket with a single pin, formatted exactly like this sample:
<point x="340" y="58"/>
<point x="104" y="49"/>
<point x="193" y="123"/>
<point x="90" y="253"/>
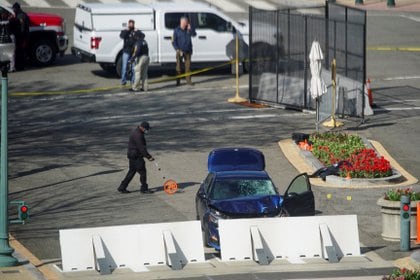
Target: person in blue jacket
<point x="182" y="44"/>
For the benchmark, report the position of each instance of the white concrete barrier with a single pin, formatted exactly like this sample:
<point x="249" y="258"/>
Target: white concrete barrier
<point x="266" y="239"/>
<point x="131" y="246"/>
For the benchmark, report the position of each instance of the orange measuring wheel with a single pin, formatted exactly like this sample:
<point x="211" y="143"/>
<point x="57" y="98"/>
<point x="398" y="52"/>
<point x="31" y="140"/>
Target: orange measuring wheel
<point x="170" y="187"/>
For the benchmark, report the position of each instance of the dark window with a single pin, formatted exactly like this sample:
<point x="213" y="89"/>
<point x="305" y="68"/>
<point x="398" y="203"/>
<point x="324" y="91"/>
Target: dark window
<point x="208" y="182"/>
<point x="172" y="19"/>
<point x="212" y="21"/>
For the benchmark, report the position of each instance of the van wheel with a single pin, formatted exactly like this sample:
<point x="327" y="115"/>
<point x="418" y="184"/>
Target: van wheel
<point x="118" y="66"/>
<point x="43" y="53"/>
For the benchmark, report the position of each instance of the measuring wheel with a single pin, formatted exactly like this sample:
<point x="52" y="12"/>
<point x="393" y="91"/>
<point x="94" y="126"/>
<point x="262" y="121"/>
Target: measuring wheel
<point x="170" y="187"/>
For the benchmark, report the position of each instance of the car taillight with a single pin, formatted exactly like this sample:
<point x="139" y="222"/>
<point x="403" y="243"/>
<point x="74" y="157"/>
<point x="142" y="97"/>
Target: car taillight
<point x="94" y="42"/>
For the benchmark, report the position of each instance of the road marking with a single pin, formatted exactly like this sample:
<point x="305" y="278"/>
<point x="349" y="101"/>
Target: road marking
<point x="110" y="1"/>
<point x="72" y="3"/>
<point x="40" y="3"/>
<point x="226" y="5"/>
<point x="263" y="5"/>
<point x="387" y="48"/>
<point x="396" y="109"/>
<point x="400" y="78"/>
<point x="411" y="17"/>
<point x="253" y="117"/>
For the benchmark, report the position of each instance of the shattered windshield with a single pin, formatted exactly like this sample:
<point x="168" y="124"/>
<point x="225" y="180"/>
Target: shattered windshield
<point x="237" y="188"/>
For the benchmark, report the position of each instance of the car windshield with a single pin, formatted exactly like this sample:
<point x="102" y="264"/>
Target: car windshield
<point x="239" y="188"/>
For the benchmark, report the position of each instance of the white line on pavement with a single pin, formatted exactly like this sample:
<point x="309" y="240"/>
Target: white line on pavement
<point x="253" y="117"/>
<point x="400" y="78"/>
<point x="72" y="3"/>
<point x="411" y="17"/>
<point x="396" y="109"/>
<point x="40" y="3"/>
<point x="110" y="1"/>
<point x="261" y="4"/>
<point x="227" y="6"/>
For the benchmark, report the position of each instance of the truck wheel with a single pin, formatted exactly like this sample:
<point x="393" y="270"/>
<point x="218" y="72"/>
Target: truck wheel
<point x="43" y="53"/>
<point x="118" y="66"/>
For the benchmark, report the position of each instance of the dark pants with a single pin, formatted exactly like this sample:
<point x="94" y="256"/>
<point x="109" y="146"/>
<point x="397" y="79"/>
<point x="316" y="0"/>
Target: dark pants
<point x="135" y="166"/>
<point x="20" y="53"/>
<point x="183" y="59"/>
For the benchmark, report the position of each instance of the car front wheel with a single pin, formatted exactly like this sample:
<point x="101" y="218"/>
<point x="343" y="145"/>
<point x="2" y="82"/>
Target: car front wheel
<point x="43" y="53"/>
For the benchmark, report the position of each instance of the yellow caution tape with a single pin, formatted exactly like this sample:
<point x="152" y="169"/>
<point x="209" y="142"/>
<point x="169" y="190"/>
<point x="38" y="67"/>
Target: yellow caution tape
<point x="81" y="91"/>
<point x="401" y="49"/>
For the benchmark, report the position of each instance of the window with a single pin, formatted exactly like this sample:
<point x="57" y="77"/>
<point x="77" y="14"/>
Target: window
<point x="237" y="188"/>
<point x="299" y="185"/>
<point x="172" y="19"/>
<point x="212" y="21"/>
<point x="207" y="182"/>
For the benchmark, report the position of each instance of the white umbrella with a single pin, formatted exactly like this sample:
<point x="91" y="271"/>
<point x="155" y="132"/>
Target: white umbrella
<point x="316" y="56"/>
<point x="318" y="86"/>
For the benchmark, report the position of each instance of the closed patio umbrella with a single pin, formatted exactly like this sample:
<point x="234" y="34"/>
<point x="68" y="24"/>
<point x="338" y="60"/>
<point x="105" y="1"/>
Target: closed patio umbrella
<point x="318" y="87"/>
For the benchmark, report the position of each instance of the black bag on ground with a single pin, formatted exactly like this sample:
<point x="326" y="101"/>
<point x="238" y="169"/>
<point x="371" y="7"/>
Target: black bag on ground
<point x="300" y="137"/>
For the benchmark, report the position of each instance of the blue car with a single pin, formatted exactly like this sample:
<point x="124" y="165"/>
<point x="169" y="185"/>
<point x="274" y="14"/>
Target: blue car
<point x="238" y="186"/>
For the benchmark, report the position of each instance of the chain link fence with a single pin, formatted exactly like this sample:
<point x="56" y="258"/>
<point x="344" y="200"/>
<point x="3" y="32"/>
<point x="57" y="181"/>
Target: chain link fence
<point x="280" y="43"/>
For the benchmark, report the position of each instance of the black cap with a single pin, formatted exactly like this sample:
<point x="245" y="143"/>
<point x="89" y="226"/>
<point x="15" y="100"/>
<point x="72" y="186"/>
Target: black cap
<point x="16" y="6"/>
<point x="145" y="125"/>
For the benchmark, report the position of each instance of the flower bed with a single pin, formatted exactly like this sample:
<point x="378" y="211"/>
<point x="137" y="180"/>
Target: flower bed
<point x="403" y="274"/>
<point x="359" y="161"/>
<point x="395" y="194"/>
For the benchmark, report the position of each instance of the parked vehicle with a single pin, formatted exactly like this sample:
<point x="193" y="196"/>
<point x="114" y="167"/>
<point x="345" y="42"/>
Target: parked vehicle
<point x="47" y="36"/>
<point x="238" y="186"/>
<point x="97" y="28"/>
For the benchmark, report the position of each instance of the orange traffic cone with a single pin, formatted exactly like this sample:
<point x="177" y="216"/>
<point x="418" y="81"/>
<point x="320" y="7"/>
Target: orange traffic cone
<point x="369" y="92"/>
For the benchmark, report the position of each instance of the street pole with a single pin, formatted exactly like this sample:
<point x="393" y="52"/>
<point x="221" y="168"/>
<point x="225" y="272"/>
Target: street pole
<point x="6" y="258"/>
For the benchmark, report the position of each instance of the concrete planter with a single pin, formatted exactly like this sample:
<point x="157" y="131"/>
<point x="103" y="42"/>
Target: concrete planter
<point x="390" y="212"/>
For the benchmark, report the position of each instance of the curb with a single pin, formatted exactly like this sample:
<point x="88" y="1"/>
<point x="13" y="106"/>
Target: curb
<point x="37" y="264"/>
<point x="291" y="152"/>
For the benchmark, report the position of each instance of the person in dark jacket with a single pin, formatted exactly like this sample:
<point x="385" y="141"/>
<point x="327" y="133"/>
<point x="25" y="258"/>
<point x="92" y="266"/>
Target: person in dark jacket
<point x="182" y="44"/>
<point x="136" y="153"/>
<point x="128" y="35"/>
<point x="20" y="28"/>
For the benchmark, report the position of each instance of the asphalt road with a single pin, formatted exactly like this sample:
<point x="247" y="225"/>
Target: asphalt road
<point x="67" y="152"/>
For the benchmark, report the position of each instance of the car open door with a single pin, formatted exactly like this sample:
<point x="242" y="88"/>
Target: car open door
<point x="298" y="198"/>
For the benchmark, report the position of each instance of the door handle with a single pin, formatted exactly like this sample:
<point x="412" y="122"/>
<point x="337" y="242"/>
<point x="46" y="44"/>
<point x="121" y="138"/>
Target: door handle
<point x="167" y="38"/>
<point x="202" y="37"/>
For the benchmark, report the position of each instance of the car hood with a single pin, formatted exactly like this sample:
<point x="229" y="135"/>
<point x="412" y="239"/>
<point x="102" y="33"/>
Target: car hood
<point x="249" y="207"/>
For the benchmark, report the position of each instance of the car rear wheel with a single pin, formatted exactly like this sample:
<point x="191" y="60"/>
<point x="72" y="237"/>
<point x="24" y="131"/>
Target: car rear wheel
<point x="43" y="53"/>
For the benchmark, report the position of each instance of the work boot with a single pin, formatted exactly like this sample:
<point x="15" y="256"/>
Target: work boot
<point x="147" y="191"/>
<point x="123" y="191"/>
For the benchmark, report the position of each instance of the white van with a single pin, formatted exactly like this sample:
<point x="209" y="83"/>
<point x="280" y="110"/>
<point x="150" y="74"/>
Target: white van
<point x="97" y="28"/>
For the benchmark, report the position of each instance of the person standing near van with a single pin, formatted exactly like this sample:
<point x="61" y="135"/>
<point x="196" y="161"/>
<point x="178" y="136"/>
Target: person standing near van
<point x="128" y="36"/>
<point x="141" y="62"/>
<point x="182" y="44"/>
<point x="20" y="28"/>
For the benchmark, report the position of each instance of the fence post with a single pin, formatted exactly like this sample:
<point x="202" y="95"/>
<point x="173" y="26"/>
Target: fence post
<point x="346" y="43"/>
<point x="277" y="56"/>
<point x="250" y="90"/>
<point x="305" y="61"/>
